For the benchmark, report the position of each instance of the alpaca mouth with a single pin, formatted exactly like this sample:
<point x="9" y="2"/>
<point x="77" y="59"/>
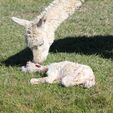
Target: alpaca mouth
<point x="38" y="65"/>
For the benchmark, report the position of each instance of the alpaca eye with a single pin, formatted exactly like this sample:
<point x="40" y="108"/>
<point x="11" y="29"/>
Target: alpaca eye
<point x="35" y="47"/>
<point x="28" y="32"/>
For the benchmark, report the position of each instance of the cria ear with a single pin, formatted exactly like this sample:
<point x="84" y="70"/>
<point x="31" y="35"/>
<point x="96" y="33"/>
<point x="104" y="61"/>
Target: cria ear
<point x="21" y="21"/>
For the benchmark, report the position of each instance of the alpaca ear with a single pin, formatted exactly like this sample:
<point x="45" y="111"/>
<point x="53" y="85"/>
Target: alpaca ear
<point x="21" y="21"/>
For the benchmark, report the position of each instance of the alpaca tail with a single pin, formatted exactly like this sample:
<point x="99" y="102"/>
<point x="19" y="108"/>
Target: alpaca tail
<point x="89" y="83"/>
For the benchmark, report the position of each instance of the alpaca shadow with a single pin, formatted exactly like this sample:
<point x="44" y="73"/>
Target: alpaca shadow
<point x="99" y="45"/>
<point x="19" y="58"/>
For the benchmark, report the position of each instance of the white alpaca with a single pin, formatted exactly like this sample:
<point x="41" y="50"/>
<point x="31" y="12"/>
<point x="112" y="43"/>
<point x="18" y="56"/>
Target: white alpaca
<point x="67" y="73"/>
<point x="40" y="32"/>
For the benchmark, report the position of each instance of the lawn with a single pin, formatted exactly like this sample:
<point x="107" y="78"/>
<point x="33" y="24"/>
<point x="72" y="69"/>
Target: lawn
<point x="86" y="37"/>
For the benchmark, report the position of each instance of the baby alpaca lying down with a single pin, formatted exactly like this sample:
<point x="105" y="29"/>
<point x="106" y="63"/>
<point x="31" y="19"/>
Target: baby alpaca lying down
<point x="67" y="73"/>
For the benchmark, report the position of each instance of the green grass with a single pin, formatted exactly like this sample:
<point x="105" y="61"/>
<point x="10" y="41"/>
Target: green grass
<point x="86" y="37"/>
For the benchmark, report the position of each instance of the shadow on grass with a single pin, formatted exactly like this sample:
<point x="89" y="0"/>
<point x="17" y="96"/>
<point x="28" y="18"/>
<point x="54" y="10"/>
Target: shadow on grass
<point x="101" y="45"/>
<point x="20" y="58"/>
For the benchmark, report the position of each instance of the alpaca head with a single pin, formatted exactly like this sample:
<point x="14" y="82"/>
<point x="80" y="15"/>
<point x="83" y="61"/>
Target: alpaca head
<point x="37" y="37"/>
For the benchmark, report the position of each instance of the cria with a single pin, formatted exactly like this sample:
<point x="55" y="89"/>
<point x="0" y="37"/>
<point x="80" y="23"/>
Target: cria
<point x="66" y="73"/>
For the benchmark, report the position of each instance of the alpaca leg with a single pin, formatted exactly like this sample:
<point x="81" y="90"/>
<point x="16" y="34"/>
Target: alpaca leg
<point x="67" y="81"/>
<point x="38" y="80"/>
<point x="42" y="80"/>
<point x="52" y="77"/>
<point x="50" y="80"/>
<point x="71" y="81"/>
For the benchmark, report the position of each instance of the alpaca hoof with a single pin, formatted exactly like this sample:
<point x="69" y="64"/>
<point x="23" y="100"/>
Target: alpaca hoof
<point x="34" y="81"/>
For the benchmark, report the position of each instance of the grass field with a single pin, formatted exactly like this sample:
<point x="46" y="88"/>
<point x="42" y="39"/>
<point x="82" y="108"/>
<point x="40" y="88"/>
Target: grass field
<point x="86" y="37"/>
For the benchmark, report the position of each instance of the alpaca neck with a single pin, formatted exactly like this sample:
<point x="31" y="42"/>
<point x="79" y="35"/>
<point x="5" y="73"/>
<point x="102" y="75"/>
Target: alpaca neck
<point x="58" y="11"/>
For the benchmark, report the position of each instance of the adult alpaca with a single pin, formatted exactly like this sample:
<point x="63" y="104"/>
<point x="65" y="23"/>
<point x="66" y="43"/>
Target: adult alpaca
<point x="40" y="32"/>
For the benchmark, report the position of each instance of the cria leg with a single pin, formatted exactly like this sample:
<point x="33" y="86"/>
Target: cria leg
<point x="41" y="80"/>
<point x="50" y="80"/>
<point x="53" y="76"/>
<point x="71" y="81"/>
<point x="38" y="80"/>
